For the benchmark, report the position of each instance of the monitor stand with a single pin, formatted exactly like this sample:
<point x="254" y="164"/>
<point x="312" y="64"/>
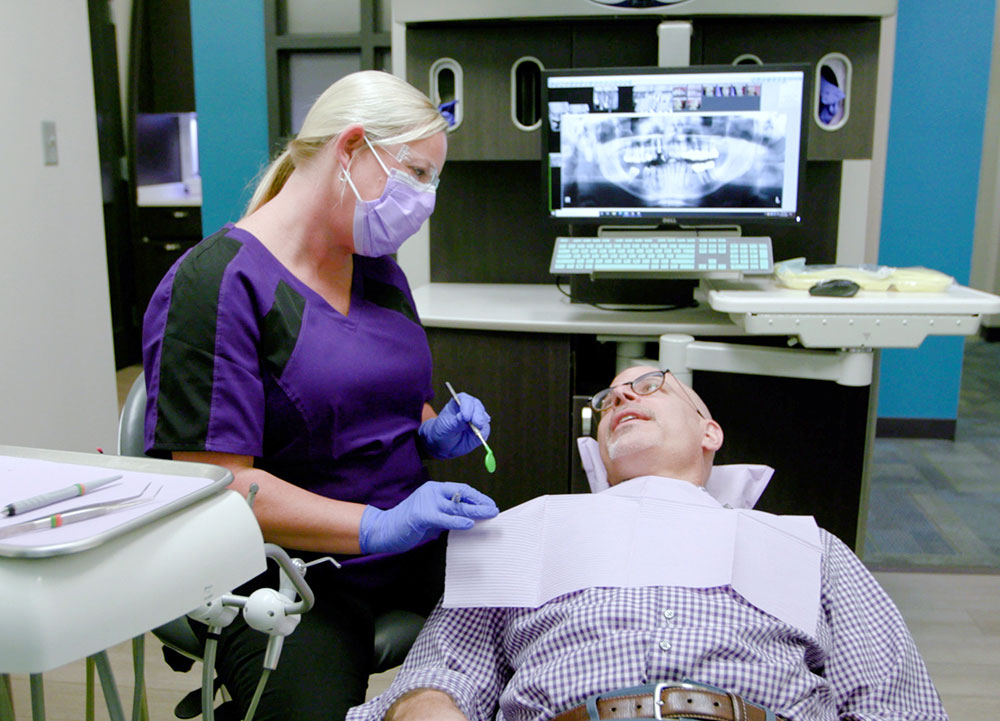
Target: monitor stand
<point x="653" y="292"/>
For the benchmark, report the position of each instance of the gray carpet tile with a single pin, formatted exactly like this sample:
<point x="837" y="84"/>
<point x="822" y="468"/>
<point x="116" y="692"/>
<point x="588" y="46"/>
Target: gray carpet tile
<point x="934" y="504"/>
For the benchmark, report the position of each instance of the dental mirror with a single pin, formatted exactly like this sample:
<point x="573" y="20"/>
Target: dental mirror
<point x="490" y="461"/>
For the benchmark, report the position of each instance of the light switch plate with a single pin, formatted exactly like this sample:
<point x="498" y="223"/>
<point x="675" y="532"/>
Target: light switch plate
<point x="50" y="149"/>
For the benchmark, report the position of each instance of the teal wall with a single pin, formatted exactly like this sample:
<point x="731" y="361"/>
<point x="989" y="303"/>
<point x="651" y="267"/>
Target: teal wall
<point x="230" y="83"/>
<point x="938" y="109"/>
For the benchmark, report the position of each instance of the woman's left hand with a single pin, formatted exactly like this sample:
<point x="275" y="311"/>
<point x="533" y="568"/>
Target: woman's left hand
<point x="449" y="435"/>
<point x="425" y="514"/>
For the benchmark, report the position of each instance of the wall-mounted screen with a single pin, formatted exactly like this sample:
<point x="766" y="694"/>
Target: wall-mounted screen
<point x="166" y="148"/>
<point x="698" y="145"/>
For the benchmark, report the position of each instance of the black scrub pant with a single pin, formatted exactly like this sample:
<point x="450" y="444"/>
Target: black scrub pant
<point x="325" y="662"/>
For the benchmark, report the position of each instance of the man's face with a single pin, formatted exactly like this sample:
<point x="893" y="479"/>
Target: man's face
<point x="656" y="434"/>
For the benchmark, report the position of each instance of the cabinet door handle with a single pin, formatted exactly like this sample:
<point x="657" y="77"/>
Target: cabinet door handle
<point x="181" y="214"/>
<point x="526" y="93"/>
<point x="446" y="84"/>
<point x="171" y="247"/>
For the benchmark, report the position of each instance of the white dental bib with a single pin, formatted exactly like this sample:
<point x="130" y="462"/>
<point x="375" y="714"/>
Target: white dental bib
<point x="649" y="531"/>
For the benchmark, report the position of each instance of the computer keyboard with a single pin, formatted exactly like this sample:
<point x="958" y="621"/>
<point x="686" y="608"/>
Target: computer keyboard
<point x="662" y="255"/>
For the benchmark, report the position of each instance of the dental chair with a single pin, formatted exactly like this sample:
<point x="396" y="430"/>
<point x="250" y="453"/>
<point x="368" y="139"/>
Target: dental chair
<point x="395" y="630"/>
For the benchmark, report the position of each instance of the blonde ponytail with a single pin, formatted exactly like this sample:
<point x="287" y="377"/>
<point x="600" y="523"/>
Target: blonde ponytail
<point x="272" y="181"/>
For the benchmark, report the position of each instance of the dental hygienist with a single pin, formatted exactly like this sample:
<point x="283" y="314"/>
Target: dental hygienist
<point x="286" y="347"/>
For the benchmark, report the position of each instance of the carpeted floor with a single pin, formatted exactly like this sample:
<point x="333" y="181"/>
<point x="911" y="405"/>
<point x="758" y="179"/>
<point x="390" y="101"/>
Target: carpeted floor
<point x="933" y="504"/>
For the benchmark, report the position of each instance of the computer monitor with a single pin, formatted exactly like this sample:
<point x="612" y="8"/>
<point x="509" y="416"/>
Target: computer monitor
<point x="166" y="148"/>
<point x="674" y="147"/>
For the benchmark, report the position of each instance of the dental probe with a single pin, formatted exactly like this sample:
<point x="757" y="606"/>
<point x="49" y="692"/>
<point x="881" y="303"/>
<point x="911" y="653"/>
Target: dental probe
<point x="47" y="499"/>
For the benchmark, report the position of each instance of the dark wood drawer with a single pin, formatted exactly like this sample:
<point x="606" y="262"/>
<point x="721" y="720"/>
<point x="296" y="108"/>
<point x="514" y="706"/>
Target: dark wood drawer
<point x="153" y="259"/>
<point x="170" y="222"/>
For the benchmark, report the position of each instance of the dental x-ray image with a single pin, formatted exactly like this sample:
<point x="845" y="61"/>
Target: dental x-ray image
<point x="559" y="108"/>
<point x="671" y="160"/>
<point x="606" y="98"/>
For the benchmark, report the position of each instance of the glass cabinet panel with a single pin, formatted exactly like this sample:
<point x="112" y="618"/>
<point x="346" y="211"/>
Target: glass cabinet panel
<point x="323" y="16"/>
<point x="310" y="73"/>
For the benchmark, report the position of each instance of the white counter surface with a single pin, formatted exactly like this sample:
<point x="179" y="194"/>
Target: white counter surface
<point x="765" y="296"/>
<point x="170" y="195"/>
<point x="868" y="320"/>
<point x="543" y="309"/>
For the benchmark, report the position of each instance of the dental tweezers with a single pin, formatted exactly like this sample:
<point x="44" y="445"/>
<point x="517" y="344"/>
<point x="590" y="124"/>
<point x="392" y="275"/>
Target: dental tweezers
<point x="82" y="513"/>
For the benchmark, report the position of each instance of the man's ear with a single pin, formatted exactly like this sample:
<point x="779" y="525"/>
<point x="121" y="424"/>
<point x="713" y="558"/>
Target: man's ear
<point x="712" y="440"/>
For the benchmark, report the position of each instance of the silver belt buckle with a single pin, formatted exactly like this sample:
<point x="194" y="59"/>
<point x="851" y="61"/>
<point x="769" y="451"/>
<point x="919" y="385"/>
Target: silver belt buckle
<point x="660" y="687"/>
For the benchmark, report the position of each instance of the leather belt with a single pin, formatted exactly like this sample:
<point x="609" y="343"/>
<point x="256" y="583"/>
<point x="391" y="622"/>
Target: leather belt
<point x="669" y="701"/>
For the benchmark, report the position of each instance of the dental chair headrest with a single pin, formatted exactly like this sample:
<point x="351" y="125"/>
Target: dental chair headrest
<point x="737" y="485"/>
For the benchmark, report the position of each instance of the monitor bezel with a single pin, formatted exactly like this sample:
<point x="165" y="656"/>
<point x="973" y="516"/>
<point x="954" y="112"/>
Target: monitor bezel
<point x="679" y="219"/>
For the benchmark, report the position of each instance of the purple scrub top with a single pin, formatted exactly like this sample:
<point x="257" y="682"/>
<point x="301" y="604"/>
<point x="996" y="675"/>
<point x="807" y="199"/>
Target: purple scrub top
<point x="242" y="357"/>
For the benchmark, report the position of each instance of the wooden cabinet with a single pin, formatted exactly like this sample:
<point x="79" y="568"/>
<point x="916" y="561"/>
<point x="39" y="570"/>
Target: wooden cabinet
<point x="523" y="379"/>
<point x="813" y="433"/>
<point x="486" y="55"/>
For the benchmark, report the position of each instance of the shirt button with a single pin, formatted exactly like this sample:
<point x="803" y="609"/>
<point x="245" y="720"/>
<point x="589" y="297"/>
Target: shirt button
<point x="668" y="614"/>
<point x="664" y="645"/>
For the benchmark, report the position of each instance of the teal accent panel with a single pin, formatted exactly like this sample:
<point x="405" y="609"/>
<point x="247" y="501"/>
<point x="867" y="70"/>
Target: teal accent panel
<point x="230" y="82"/>
<point x="922" y="382"/>
<point x="940" y="82"/>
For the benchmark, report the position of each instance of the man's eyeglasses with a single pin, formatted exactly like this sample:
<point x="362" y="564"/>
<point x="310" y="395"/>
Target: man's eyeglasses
<point x="644" y="385"/>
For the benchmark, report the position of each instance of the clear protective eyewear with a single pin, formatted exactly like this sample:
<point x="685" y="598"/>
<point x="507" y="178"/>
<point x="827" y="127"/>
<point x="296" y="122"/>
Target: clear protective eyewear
<point x="420" y="173"/>
<point x="644" y="385"/>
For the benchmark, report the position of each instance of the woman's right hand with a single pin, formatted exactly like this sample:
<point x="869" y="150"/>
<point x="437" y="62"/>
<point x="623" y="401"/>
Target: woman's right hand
<point x="423" y="515"/>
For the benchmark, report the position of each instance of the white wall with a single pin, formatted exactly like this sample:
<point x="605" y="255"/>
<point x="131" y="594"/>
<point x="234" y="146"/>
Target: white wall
<point x="57" y="372"/>
<point x="985" y="271"/>
<point x="121" y="16"/>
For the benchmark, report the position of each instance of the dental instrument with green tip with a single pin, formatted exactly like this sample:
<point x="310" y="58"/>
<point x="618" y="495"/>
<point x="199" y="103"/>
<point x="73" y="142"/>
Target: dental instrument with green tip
<point x="490" y="460"/>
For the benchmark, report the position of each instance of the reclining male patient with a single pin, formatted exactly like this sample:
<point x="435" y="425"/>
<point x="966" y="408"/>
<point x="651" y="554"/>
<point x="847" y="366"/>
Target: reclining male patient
<point x="543" y="663"/>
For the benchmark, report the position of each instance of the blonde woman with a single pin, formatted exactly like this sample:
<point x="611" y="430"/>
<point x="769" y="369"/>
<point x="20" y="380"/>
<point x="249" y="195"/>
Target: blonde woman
<point x="286" y="347"/>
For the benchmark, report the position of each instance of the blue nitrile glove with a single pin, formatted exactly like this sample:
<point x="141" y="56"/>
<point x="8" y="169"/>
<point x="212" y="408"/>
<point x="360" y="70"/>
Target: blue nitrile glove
<point x="423" y="515"/>
<point x="830" y="97"/>
<point x="448" y="111"/>
<point x="449" y="435"/>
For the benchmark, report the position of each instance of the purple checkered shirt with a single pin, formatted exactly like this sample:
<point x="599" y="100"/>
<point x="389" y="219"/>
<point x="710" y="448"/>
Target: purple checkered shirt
<point x="521" y="664"/>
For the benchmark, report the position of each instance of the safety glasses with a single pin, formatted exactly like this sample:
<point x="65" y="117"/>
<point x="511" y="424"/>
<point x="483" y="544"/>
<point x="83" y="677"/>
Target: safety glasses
<point x="418" y="169"/>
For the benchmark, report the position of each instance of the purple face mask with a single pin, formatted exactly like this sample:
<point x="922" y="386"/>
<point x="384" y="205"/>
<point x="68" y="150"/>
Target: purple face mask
<point x="382" y="225"/>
